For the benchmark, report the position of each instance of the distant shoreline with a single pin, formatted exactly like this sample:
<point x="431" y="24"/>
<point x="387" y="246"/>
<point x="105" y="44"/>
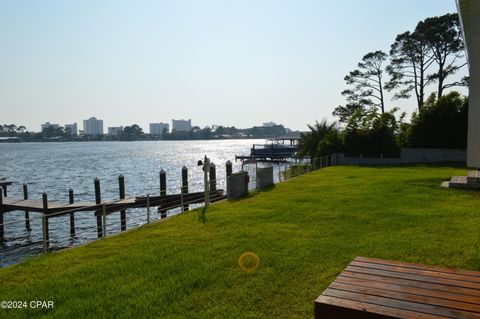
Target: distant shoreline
<point x="146" y="140"/>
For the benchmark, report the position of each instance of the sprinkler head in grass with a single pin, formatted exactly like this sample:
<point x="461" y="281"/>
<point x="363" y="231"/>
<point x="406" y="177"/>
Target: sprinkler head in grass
<point x="249" y="262"/>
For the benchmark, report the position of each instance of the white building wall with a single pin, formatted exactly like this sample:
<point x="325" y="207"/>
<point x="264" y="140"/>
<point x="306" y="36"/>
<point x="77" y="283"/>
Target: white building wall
<point x="182" y="125"/>
<point x="115" y="131"/>
<point x="157" y="128"/>
<point x="48" y="124"/>
<point x="92" y="126"/>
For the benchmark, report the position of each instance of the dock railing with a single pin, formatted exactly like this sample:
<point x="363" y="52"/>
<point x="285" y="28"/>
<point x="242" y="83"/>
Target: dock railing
<point x="303" y="167"/>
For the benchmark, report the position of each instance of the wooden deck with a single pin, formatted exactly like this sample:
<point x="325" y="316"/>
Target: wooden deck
<point x="375" y="288"/>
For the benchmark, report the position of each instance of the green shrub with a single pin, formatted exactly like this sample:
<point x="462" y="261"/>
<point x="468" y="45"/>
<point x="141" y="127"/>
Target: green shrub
<point x="441" y="124"/>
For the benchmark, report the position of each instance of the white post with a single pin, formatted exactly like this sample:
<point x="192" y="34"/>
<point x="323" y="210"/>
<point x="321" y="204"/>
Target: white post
<point x="181" y="201"/>
<point x="206" y="170"/>
<point x="256" y="176"/>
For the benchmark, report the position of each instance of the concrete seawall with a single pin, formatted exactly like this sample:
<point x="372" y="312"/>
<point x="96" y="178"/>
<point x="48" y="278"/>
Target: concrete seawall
<point x="407" y="156"/>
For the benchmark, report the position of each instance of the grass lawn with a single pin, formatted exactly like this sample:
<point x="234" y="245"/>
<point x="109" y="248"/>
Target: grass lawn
<point x="305" y="231"/>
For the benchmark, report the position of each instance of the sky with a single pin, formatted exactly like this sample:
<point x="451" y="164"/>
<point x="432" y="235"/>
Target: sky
<point x="233" y="63"/>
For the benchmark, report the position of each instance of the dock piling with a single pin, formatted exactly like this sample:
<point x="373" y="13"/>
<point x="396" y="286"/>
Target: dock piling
<point x="206" y="171"/>
<point x="121" y="190"/>
<point x="27" y="213"/>
<point x="98" y="200"/>
<point x="163" y="192"/>
<point x="228" y="170"/>
<point x="185" y="185"/>
<point x="213" y="177"/>
<point x="45" y="222"/>
<point x="72" y="216"/>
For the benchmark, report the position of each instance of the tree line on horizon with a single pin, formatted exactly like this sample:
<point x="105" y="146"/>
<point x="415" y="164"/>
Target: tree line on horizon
<point x="135" y="133"/>
<point x="429" y="55"/>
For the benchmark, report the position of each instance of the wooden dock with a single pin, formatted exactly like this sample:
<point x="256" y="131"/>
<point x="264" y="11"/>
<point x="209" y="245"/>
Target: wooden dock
<point x="101" y="208"/>
<point x="53" y="209"/>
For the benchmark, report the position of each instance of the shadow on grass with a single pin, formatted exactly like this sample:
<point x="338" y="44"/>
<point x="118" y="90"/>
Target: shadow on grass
<point x="202" y="215"/>
<point x="202" y="212"/>
<point x="267" y="189"/>
<point x="251" y="194"/>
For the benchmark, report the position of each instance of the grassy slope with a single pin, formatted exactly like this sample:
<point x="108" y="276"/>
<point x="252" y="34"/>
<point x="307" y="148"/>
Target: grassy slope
<point x="305" y="232"/>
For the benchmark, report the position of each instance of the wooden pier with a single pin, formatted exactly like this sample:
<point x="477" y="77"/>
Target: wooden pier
<point x="53" y="209"/>
<point x="101" y="208"/>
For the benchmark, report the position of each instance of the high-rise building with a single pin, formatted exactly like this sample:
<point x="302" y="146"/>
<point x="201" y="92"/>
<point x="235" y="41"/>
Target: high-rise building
<point x="269" y="124"/>
<point x="48" y="124"/>
<point x="181" y="125"/>
<point x="93" y="127"/>
<point x="157" y="129"/>
<point x="115" y="131"/>
<point x="73" y="128"/>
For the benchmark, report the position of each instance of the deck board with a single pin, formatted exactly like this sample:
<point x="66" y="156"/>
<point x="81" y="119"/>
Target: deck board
<point x="399" y="294"/>
<point x="351" y="309"/>
<point x="422" y="278"/>
<point x="375" y="288"/>
<point x="418" y="266"/>
<point x="455" y="296"/>
<point x="416" y="271"/>
<point x="414" y="283"/>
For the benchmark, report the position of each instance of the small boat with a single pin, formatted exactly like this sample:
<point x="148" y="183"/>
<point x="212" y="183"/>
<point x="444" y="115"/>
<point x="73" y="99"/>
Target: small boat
<point x="274" y="150"/>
